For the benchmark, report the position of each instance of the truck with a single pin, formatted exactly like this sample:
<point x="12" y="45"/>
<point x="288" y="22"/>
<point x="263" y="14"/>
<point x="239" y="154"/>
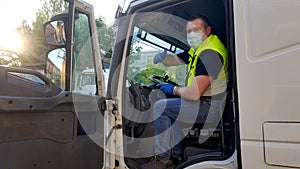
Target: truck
<point x="46" y="125"/>
<point x="86" y="83"/>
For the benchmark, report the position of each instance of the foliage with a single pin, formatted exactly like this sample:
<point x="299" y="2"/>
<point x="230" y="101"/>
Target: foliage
<point x="9" y="58"/>
<point x="135" y="55"/>
<point x="49" y="9"/>
<point x="143" y="77"/>
<point x="141" y="66"/>
<point x="82" y="43"/>
<point x="106" y="37"/>
<point x="35" y="49"/>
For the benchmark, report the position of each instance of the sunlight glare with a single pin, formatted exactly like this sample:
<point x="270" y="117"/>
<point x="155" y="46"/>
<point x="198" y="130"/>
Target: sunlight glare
<point x="10" y="40"/>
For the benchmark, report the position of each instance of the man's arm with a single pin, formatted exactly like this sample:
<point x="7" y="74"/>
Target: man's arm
<point x="195" y="91"/>
<point x="172" y="60"/>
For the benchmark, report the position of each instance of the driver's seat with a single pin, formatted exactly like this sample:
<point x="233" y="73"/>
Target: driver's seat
<point x="204" y="137"/>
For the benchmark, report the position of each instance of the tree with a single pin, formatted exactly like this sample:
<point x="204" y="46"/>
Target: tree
<point x="36" y="49"/>
<point x="135" y="54"/>
<point x="106" y="37"/>
<point x="9" y="58"/>
<point x="83" y="55"/>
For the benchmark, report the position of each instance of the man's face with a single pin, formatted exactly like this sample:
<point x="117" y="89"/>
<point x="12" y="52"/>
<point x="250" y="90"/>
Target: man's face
<point x="198" y="26"/>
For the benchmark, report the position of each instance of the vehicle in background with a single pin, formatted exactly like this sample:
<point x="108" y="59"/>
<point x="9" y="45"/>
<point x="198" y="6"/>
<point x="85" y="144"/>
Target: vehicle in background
<point x="86" y="82"/>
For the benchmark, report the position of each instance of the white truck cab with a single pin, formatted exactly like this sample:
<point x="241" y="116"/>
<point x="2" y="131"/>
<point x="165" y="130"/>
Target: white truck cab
<point x="86" y="82"/>
<point x="260" y="117"/>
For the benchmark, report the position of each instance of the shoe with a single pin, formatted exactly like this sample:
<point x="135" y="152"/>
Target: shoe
<point x="159" y="163"/>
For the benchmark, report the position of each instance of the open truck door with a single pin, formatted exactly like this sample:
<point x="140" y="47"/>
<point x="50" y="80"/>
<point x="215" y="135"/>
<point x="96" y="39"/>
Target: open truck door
<point x="44" y="122"/>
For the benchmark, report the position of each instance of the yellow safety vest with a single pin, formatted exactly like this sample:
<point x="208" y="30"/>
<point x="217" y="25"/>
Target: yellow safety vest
<point x="219" y="84"/>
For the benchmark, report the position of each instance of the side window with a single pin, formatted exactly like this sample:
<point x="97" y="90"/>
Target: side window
<point x="84" y="77"/>
<point x="144" y="47"/>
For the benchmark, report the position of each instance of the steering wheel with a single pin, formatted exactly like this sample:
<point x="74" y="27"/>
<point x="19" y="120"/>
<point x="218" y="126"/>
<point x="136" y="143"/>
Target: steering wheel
<point x="156" y="80"/>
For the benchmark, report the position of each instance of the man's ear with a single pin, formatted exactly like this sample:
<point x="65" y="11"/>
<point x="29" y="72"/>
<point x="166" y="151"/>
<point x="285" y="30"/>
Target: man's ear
<point x="208" y="30"/>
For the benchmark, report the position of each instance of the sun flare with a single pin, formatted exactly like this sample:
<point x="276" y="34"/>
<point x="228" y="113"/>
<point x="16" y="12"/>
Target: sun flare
<point x="10" y="40"/>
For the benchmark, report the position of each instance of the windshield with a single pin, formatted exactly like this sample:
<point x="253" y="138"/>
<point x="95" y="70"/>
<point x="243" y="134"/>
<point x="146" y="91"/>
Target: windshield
<point x="88" y="79"/>
<point x="144" y="47"/>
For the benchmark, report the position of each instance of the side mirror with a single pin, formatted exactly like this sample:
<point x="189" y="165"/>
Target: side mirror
<point x="56" y="66"/>
<point x="55" y="33"/>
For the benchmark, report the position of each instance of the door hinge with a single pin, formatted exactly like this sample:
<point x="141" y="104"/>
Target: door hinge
<point x="118" y="126"/>
<point x="112" y="107"/>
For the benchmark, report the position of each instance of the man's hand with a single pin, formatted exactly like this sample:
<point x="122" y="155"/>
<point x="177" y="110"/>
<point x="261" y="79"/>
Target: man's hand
<point x="166" y="88"/>
<point x="160" y="57"/>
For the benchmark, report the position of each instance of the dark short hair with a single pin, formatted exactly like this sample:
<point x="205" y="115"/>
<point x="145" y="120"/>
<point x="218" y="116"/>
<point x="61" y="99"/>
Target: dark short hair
<point x="202" y="17"/>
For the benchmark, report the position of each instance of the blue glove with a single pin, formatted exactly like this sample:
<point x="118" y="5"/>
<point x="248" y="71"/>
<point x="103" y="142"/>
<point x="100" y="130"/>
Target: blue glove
<point x="166" y="88"/>
<point x="160" y="57"/>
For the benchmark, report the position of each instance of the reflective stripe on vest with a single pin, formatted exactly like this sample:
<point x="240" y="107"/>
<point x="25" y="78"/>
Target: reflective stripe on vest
<point x="219" y="84"/>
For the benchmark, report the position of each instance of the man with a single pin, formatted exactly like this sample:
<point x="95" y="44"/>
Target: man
<point x="206" y="86"/>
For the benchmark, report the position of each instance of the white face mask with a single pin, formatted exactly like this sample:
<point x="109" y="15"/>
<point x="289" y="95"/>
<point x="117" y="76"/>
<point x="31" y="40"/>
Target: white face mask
<point x="194" y="39"/>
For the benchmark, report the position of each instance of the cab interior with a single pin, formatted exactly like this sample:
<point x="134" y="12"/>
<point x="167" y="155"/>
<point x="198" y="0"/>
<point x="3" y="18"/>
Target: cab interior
<point x="164" y="29"/>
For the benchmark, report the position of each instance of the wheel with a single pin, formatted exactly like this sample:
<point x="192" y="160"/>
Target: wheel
<point x="158" y="79"/>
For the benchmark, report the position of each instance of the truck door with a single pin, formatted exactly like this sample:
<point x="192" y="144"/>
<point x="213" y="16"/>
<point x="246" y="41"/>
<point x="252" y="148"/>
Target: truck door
<point x="44" y="122"/>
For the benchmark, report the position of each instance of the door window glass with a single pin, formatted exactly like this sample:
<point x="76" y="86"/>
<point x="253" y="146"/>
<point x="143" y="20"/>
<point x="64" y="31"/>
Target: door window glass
<point x="144" y="47"/>
<point x="84" y="77"/>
